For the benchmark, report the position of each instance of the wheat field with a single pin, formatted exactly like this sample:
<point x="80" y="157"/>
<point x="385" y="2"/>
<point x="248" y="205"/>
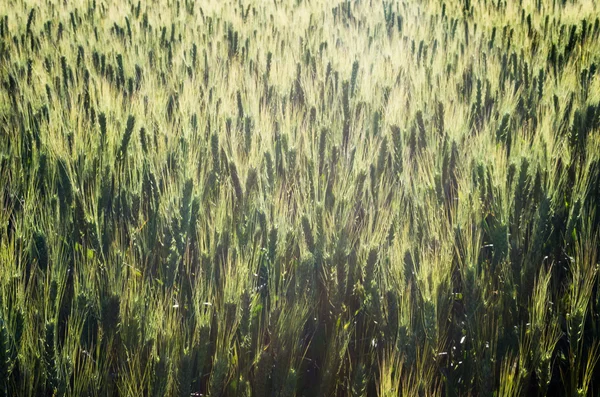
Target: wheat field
<point x="299" y="198"/>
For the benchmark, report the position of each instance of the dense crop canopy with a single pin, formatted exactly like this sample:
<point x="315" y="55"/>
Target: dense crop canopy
<point x="299" y="198"/>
